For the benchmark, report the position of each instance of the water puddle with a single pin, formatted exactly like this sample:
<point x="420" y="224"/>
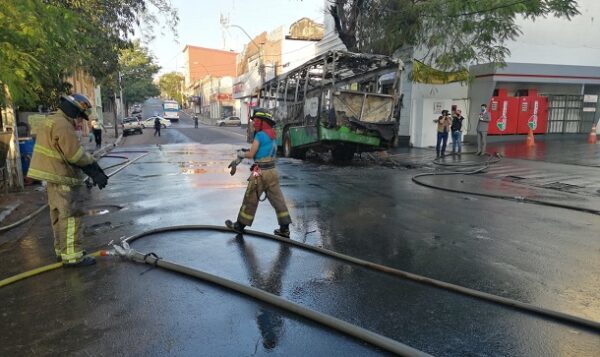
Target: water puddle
<point x="102" y="210"/>
<point x="99" y="228"/>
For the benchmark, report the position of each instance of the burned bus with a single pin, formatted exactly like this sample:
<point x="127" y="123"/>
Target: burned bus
<point x="340" y="101"/>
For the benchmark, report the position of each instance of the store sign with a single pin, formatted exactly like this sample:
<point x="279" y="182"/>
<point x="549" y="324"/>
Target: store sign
<point x="590" y="98"/>
<point x="222" y="96"/>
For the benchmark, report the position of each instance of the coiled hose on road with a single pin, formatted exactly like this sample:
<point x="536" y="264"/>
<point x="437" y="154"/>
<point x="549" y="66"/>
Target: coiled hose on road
<point x="33" y="214"/>
<point x="482" y="167"/>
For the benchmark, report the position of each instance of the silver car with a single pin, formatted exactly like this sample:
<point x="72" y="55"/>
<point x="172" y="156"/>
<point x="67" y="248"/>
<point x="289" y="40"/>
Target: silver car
<point x="229" y="121"/>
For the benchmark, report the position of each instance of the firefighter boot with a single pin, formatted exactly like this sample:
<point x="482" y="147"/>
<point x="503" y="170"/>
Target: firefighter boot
<point x="236" y="227"/>
<point x="283" y="231"/>
<point x="84" y="262"/>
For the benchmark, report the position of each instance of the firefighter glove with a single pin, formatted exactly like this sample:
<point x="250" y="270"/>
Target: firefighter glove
<point x="233" y="165"/>
<point x="241" y="154"/>
<point x="95" y="172"/>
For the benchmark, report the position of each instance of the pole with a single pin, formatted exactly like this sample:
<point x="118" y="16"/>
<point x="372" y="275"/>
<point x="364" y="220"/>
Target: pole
<point x="116" y="125"/>
<point x="121" y="96"/>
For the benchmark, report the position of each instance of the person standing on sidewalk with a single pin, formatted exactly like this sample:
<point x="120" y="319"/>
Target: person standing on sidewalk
<point x="482" y="129"/>
<point x="97" y="128"/>
<point x="157" y="126"/>
<point x="456" y="129"/>
<point x="59" y="158"/>
<point x="195" y="121"/>
<point x="263" y="178"/>
<point x="443" y="127"/>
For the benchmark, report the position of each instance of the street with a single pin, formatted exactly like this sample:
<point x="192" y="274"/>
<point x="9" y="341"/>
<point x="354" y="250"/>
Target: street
<point x="546" y="256"/>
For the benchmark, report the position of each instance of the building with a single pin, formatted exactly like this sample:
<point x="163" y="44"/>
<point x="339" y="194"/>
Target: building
<point x="330" y="41"/>
<point x="85" y="84"/>
<point x="555" y="60"/>
<point x="215" y="97"/>
<point x="205" y="80"/>
<point x="272" y="54"/>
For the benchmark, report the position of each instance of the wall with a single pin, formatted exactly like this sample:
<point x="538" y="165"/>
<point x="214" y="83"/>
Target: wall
<point x="559" y="41"/>
<point x="331" y="40"/>
<point x="426" y="103"/>
<point x="202" y="61"/>
<point x="295" y="53"/>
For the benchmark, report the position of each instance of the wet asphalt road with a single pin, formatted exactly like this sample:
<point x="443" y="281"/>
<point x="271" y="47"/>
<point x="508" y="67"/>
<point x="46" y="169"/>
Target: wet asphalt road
<point x="541" y="255"/>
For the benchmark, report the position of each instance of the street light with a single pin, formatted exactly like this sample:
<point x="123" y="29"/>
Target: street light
<point x="261" y="67"/>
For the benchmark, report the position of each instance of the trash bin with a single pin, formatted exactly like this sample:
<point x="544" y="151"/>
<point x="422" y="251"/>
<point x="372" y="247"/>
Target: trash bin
<point x="26" y="147"/>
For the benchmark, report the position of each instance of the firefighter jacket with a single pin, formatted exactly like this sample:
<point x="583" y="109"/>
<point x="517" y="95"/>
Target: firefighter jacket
<point x="58" y="154"/>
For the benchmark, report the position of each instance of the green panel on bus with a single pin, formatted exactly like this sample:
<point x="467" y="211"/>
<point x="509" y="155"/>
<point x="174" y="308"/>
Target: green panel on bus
<point x="348" y="136"/>
<point x="303" y="135"/>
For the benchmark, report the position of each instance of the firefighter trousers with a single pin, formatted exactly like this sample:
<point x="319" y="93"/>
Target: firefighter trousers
<point x="267" y="182"/>
<point x="65" y="214"/>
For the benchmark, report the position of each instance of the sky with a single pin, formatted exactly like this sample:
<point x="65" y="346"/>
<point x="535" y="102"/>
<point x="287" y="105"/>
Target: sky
<point x="199" y="25"/>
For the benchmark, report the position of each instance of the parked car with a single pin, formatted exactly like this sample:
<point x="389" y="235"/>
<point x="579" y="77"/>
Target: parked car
<point x="230" y="121"/>
<point x="131" y="125"/>
<point x="149" y="122"/>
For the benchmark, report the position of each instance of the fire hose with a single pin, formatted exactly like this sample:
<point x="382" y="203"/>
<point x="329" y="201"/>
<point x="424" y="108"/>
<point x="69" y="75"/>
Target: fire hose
<point x="124" y="249"/>
<point x="482" y="167"/>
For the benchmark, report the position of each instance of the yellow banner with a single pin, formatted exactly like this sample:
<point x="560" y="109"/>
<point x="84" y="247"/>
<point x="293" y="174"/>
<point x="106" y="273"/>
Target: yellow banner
<point x="423" y="73"/>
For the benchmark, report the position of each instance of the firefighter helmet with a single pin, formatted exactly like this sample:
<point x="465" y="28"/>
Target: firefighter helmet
<point x="261" y="113"/>
<point x="76" y="105"/>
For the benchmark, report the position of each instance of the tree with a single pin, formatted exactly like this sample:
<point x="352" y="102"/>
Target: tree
<point x="450" y="34"/>
<point x="137" y="69"/>
<point x="170" y="85"/>
<point x="43" y="41"/>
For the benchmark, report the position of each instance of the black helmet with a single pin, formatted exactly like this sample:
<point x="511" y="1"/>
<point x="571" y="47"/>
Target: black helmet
<point x="262" y="113"/>
<point x="76" y="105"/>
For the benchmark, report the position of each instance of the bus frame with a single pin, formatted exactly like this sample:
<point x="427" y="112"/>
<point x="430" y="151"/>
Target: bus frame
<point x="335" y="102"/>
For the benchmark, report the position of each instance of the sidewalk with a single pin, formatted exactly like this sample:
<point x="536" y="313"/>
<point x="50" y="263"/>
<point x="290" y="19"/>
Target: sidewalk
<point x="108" y="142"/>
<point x="556" y="172"/>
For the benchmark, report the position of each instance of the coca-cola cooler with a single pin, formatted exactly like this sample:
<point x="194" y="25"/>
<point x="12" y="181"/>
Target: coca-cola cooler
<point x="504" y="114"/>
<point x="533" y="113"/>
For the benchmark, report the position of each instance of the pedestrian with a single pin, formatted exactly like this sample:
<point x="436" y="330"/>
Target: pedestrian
<point x="263" y="178"/>
<point x="157" y="126"/>
<point x="482" y="129"/>
<point x="443" y="127"/>
<point x="97" y="128"/>
<point x="59" y="159"/>
<point x="195" y="121"/>
<point x="456" y="129"/>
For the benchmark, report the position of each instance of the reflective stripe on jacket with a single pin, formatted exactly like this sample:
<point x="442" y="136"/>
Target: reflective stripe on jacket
<point x="58" y="154"/>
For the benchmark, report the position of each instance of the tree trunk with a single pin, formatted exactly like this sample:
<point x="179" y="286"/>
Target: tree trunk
<point x="13" y="159"/>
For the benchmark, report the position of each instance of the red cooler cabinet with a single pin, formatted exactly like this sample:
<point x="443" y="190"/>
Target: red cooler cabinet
<point x="504" y="114"/>
<point x="533" y="113"/>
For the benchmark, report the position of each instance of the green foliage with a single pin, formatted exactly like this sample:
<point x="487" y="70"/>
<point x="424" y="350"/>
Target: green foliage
<point x="450" y="33"/>
<point x="170" y="86"/>
<point x="44" y="41"/>
<point x="137" y="70"/>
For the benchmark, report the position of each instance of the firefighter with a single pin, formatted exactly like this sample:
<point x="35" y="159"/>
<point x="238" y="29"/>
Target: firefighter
<point x="58" y="158"/>
<point x="263" y="178"/>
